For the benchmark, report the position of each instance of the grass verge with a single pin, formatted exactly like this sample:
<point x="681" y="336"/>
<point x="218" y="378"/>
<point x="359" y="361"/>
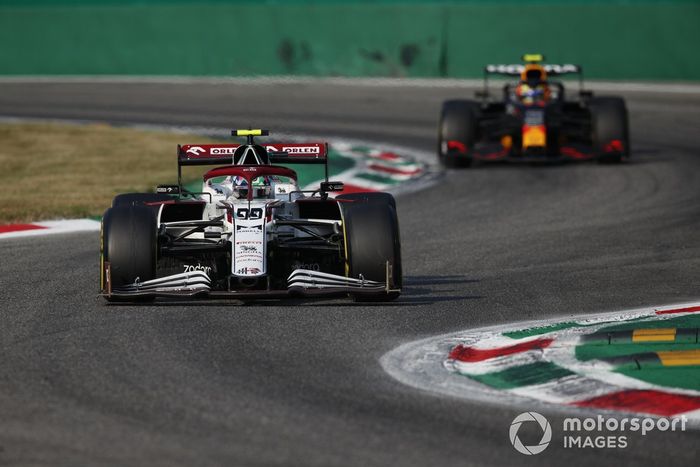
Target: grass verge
<point x="53" y="171"/>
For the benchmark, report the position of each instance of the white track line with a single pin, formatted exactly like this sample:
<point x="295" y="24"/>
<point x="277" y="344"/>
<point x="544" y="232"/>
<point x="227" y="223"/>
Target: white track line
<point x="55" y="227"/>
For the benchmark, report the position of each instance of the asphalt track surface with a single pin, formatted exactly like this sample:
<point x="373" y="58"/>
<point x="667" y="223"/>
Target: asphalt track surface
<point x="83" y="383"/>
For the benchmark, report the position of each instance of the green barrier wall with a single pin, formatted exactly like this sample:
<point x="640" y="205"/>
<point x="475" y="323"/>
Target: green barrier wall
<point x="612" y="40"/>
<point x="651" y="41"/>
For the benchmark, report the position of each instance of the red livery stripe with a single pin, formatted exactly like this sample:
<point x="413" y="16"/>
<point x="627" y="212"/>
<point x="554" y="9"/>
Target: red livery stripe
<point x="348" y="188"/>
<point x="614" y="146"/>
<point x="492" y="155"/>
<point x="644" y="401"/>
<point x="472" y="354"/>
<point x="573" y="152"/>
<point x="457" y="146"/>
<point x="387" y="156"/>
<point x="393" y="170"/>
<point x="19" y="227"/>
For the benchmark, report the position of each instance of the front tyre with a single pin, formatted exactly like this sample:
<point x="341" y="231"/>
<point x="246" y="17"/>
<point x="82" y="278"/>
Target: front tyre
<point x="457" y="132"/>
<point x="371" y="240"/>
<point x="610" y="128"/>
<point x="129" y="243"/>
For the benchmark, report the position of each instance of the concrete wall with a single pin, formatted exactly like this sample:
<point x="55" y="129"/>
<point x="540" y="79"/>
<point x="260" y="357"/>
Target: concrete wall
<point x="645" y="40"/>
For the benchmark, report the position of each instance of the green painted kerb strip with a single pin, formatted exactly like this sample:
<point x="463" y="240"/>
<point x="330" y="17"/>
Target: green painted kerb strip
<point x="373" y="177"/>
<point x="682" y="321"/>
<point x="685" y="377"/>
<point x="525" y="375"/>
<point x="538" y="330"/>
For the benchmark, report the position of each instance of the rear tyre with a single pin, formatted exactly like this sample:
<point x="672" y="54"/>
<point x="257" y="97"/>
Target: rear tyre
<point x="371" y="239"/>
<point x="458" y="126"/>
<point x="129" y="243"/>
<point x="609" y="124"/>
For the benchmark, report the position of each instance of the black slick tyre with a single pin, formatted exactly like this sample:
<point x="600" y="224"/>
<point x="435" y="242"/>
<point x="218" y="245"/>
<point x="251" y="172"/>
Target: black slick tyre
<point x="129" y="244"/>
<point x="610" y="128"/>
<point x="457" y="132"/>
<point x="371" y="240"/>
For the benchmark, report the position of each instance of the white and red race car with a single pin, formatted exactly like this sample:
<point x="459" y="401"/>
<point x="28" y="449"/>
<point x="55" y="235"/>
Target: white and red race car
<point x="251" y="232"/>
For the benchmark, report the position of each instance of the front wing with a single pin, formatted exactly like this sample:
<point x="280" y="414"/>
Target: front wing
<point x="300" y="283"/>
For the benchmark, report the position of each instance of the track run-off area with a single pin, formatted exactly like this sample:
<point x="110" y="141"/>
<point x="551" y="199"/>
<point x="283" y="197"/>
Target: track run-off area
<point x="304" y="382"/>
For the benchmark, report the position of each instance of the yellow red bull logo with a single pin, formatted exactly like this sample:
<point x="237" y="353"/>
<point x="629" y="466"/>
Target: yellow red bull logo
<point x="534" y="136"/>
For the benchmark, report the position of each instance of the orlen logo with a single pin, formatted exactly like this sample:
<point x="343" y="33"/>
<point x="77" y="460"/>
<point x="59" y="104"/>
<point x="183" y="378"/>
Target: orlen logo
<point x="300" y="150"/>
<point x="220" y="151"/>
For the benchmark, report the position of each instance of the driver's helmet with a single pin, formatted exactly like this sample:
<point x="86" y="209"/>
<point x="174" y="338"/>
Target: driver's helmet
<point x="262" y="187"/>
<point x="533" y="88"/>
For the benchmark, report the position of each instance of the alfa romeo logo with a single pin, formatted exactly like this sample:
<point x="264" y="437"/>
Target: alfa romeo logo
<point x="196" y="150"/>
<point x="546" y="433"/>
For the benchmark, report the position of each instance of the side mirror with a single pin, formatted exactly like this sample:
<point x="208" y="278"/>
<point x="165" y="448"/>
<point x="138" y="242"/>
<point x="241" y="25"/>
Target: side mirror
<point x="168" y="189"/>
<point x="327" y="187"/>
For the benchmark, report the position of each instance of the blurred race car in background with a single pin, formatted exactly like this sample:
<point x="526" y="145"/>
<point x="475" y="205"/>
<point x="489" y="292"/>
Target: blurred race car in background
<point x="533" y="120"/>
<point x="251" y="232"/>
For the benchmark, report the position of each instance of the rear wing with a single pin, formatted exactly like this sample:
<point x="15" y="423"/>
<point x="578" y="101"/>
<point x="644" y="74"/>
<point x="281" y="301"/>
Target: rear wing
<point x="278" y="153"/>
<point x="517" y="69"/>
